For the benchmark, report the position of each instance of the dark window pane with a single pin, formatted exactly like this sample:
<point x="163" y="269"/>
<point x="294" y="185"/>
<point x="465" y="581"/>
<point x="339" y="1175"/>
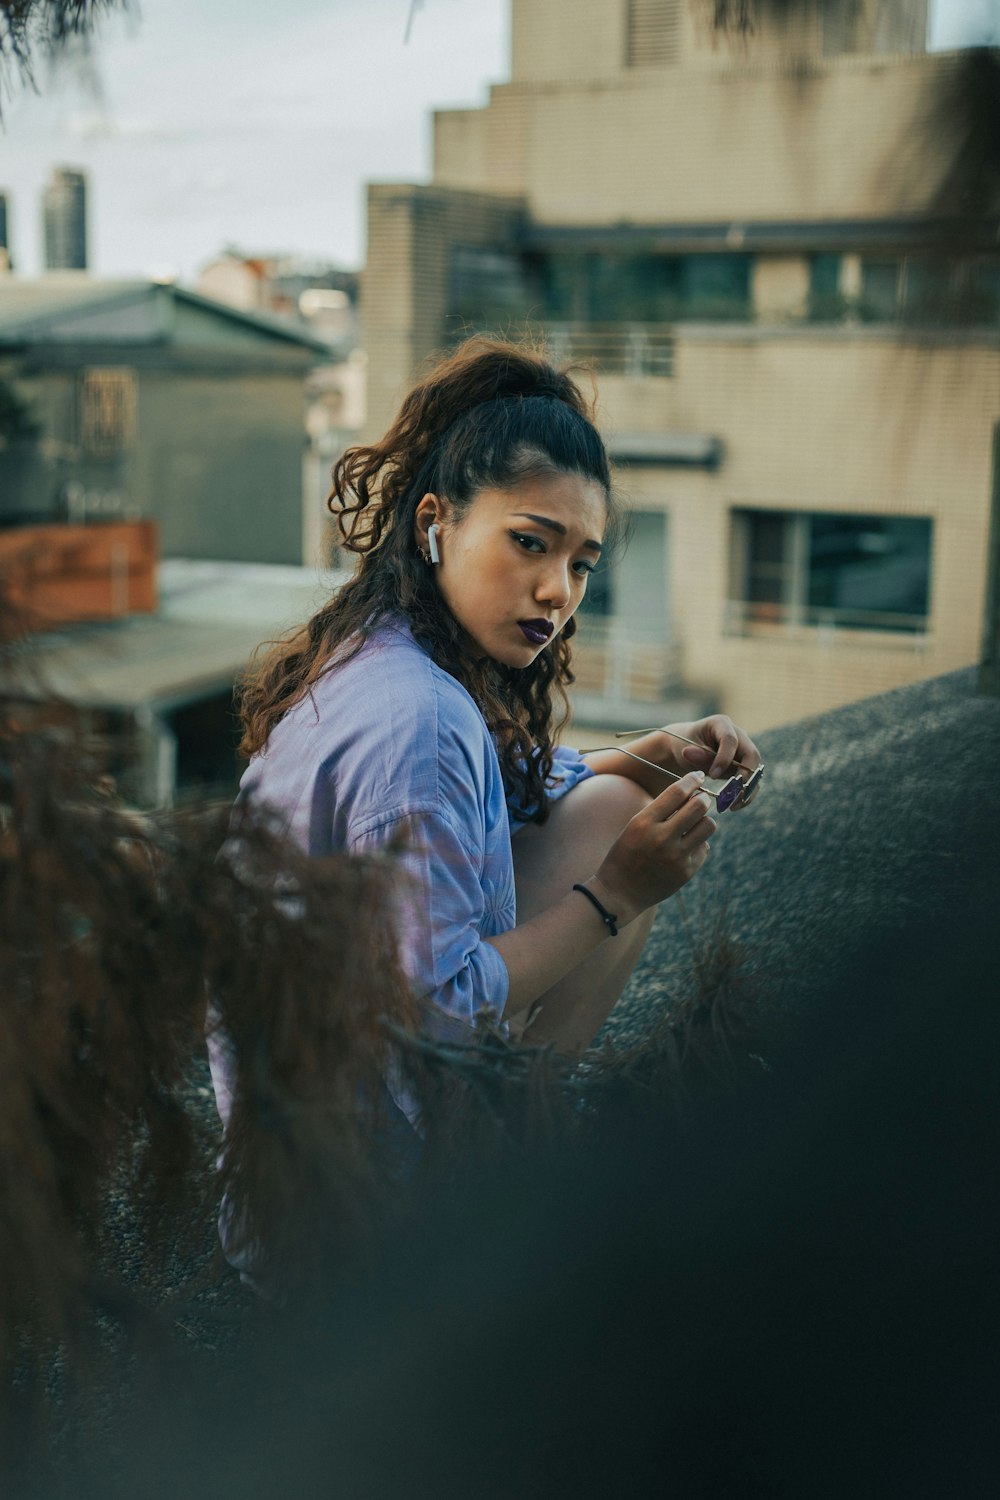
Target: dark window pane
<point x="981" y="302"/>
<point x="930" y="288"/>
<point x="633" y="587"/>
<point x="591" y="286"/>
<point x="871" y="571"/>
<point x="879" y="290"/>
<point x="716" y="286"/>
<point x="633" y="288"/>
<point x="767" y="537"/>
<point x="487" y="289"/>
<point x="599" y="598"/>
<point x="826" y="304"/>
<point x="767" y="580"/>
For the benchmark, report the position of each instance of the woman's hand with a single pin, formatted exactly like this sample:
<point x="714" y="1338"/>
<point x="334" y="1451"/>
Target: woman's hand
<point x="723" y="750"/>
<point x="721" y="744"/>
<point x="657" y="851"/>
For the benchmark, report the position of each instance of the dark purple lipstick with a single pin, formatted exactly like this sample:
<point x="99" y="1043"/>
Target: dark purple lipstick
<point x="536" y="631"/>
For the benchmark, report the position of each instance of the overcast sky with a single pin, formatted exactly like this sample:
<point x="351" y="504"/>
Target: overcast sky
<point x="206" y="123"/>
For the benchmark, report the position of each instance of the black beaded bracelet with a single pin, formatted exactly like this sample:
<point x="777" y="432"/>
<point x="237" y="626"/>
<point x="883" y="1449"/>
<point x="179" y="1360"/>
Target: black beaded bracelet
<point x="608" y="918"/>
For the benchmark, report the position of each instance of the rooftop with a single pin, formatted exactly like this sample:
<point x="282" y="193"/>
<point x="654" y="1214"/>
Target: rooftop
<point x="211" y="617"/>
<point x="70" y="304"/>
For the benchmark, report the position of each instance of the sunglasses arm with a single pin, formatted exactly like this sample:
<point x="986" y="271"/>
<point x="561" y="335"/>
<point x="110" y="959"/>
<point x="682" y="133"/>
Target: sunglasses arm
<point x="623" y="734"/>
<point x="724" y="799"/>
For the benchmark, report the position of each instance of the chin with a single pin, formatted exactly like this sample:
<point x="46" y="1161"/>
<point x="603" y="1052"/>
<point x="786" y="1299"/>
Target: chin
<point x="515" y="656"/>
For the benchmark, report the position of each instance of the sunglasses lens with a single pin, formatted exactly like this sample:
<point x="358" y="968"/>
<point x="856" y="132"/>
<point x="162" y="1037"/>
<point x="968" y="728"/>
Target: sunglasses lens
<point x="753" y="782"/>
<point x="731" y="792"/>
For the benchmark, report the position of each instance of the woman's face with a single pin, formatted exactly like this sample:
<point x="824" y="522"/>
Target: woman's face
<point x="514" y="566"/>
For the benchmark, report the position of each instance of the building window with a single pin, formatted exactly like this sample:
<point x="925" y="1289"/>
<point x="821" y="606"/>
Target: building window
<point x="826" y="301"/>
<point x="653" y="33"/>
<point x="589" y="286"/>
<point x="487" y="288"/>
<point x="881" y="289"/>
<point x="931" y="289"/>
<point x="849" y="571"/>
<point x="632" y="588"/>
<point x="107" y="411"/>
<point x="614" y="309"/>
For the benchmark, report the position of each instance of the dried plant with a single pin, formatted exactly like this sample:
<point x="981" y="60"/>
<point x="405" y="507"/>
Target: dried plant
<point x="115" y="930"/>
<point x="30" y="28"/>
<point x="118" y="934"/>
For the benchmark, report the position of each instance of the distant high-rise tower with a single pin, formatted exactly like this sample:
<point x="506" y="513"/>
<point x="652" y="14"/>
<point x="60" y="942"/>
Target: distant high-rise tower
<point x="4" y="235"/>
<point x="64" y="211"/>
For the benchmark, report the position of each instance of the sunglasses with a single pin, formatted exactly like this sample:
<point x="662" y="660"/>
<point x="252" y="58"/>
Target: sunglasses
<point x="735" y="790"/>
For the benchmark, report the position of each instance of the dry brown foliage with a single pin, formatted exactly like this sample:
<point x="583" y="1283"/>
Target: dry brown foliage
<point x="118" y="932"/>
<point x="115" y="929"/>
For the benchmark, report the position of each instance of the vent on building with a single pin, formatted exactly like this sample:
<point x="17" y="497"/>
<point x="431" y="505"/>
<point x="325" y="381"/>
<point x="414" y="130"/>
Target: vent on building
<point x="653" y="36"/>
<point x="107" y="411"/>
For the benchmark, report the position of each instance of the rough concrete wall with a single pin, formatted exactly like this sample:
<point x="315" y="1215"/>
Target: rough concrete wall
<point x="460" y="148"/>
<point x="567" y="39"/>
<point x="851" y="137"/>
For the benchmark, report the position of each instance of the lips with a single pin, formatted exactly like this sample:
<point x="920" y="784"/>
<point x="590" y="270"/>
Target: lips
<point x="536" y="631"/>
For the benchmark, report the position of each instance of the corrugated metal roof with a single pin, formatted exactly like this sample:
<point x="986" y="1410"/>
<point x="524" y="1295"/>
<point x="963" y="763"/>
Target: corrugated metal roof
<point x="212" y="616"/>
<point x="32" y="310"/>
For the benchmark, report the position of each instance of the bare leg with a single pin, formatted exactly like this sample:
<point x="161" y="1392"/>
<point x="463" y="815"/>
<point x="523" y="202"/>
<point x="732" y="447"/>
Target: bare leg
<point x="548" y="861"/>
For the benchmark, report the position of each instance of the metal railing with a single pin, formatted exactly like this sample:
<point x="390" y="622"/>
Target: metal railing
<point x="745" y="618"/>
<point x="624" y="663"/>
<point x="633" y="349"/>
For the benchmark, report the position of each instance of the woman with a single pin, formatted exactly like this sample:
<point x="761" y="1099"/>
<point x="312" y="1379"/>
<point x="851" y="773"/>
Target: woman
<point x="418" y="707"/>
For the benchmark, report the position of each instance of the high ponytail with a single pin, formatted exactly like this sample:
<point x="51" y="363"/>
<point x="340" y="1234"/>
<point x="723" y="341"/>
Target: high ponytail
<point x="480" y="371"/>
<point x="491" y="415"/>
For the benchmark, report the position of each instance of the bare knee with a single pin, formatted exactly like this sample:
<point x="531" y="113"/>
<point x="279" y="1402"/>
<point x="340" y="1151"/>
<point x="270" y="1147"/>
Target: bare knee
<point x="571" y="845"/>
<point x="614" y="800"/>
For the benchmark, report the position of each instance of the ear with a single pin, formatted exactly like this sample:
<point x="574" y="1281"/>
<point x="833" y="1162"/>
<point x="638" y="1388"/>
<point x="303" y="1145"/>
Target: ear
<point x="430" y="512"/>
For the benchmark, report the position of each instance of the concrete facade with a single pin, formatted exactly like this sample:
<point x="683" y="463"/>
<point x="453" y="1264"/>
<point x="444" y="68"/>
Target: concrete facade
<point x="807" y="164"/>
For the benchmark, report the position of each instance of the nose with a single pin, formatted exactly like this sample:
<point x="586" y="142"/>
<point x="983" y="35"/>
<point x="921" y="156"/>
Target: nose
<point x="553" y="586"/>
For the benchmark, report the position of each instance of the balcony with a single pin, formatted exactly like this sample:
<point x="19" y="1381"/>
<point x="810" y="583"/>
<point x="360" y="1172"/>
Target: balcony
<point x="635" y="350"/>
<point x="624" y="669"/>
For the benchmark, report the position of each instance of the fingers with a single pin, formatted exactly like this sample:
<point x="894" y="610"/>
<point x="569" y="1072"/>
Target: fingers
<point x="746" y="751"/>
<point x="727" y="744"/>
<point x="675" y="796"/>
<point x="698" y="755"/>
<point x="692" y="822"/>
<point x="699" y="834"/>
<point x="726" y="749"/>
<point x="682" y="812"/>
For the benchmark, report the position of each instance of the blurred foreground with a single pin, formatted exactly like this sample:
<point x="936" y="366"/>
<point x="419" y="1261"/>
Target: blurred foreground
<point x="744" y="1250"/>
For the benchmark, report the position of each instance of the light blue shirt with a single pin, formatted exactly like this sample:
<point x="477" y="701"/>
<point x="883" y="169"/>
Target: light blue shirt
<point x="389" y="748"/>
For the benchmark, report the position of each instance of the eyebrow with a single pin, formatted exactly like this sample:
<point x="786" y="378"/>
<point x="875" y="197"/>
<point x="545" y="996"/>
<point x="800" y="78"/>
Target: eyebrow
<point x="557" y="526"/>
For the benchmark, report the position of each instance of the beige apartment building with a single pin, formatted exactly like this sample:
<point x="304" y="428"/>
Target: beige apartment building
<point x="798" y="370"/>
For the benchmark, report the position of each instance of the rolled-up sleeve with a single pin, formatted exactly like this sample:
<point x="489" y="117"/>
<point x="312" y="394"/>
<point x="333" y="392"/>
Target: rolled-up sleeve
<point x="568" y="769"/>
<point x="443" y="915"/>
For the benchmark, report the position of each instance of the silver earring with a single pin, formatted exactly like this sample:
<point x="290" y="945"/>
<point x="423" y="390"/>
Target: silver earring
<point x="432" y="542"/>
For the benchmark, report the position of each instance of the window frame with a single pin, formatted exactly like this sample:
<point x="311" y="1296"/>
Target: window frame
<point x="793" y="614"/>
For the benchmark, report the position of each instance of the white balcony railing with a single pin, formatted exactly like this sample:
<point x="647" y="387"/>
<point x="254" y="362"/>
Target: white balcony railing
<point x="745" y="618"/>
<point x="621" y="664"/>
<point x="633" y="349"/>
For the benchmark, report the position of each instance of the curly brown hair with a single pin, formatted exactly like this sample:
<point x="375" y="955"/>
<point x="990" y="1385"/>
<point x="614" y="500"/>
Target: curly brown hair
<point x="491" y="415"/>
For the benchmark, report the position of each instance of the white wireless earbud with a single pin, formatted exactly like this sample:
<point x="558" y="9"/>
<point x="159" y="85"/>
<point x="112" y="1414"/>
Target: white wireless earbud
<point x="432" y="542"/>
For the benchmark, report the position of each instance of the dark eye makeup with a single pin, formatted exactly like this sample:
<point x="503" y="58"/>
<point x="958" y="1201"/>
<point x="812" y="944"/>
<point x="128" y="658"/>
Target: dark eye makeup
<point x="535" y="544"/>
